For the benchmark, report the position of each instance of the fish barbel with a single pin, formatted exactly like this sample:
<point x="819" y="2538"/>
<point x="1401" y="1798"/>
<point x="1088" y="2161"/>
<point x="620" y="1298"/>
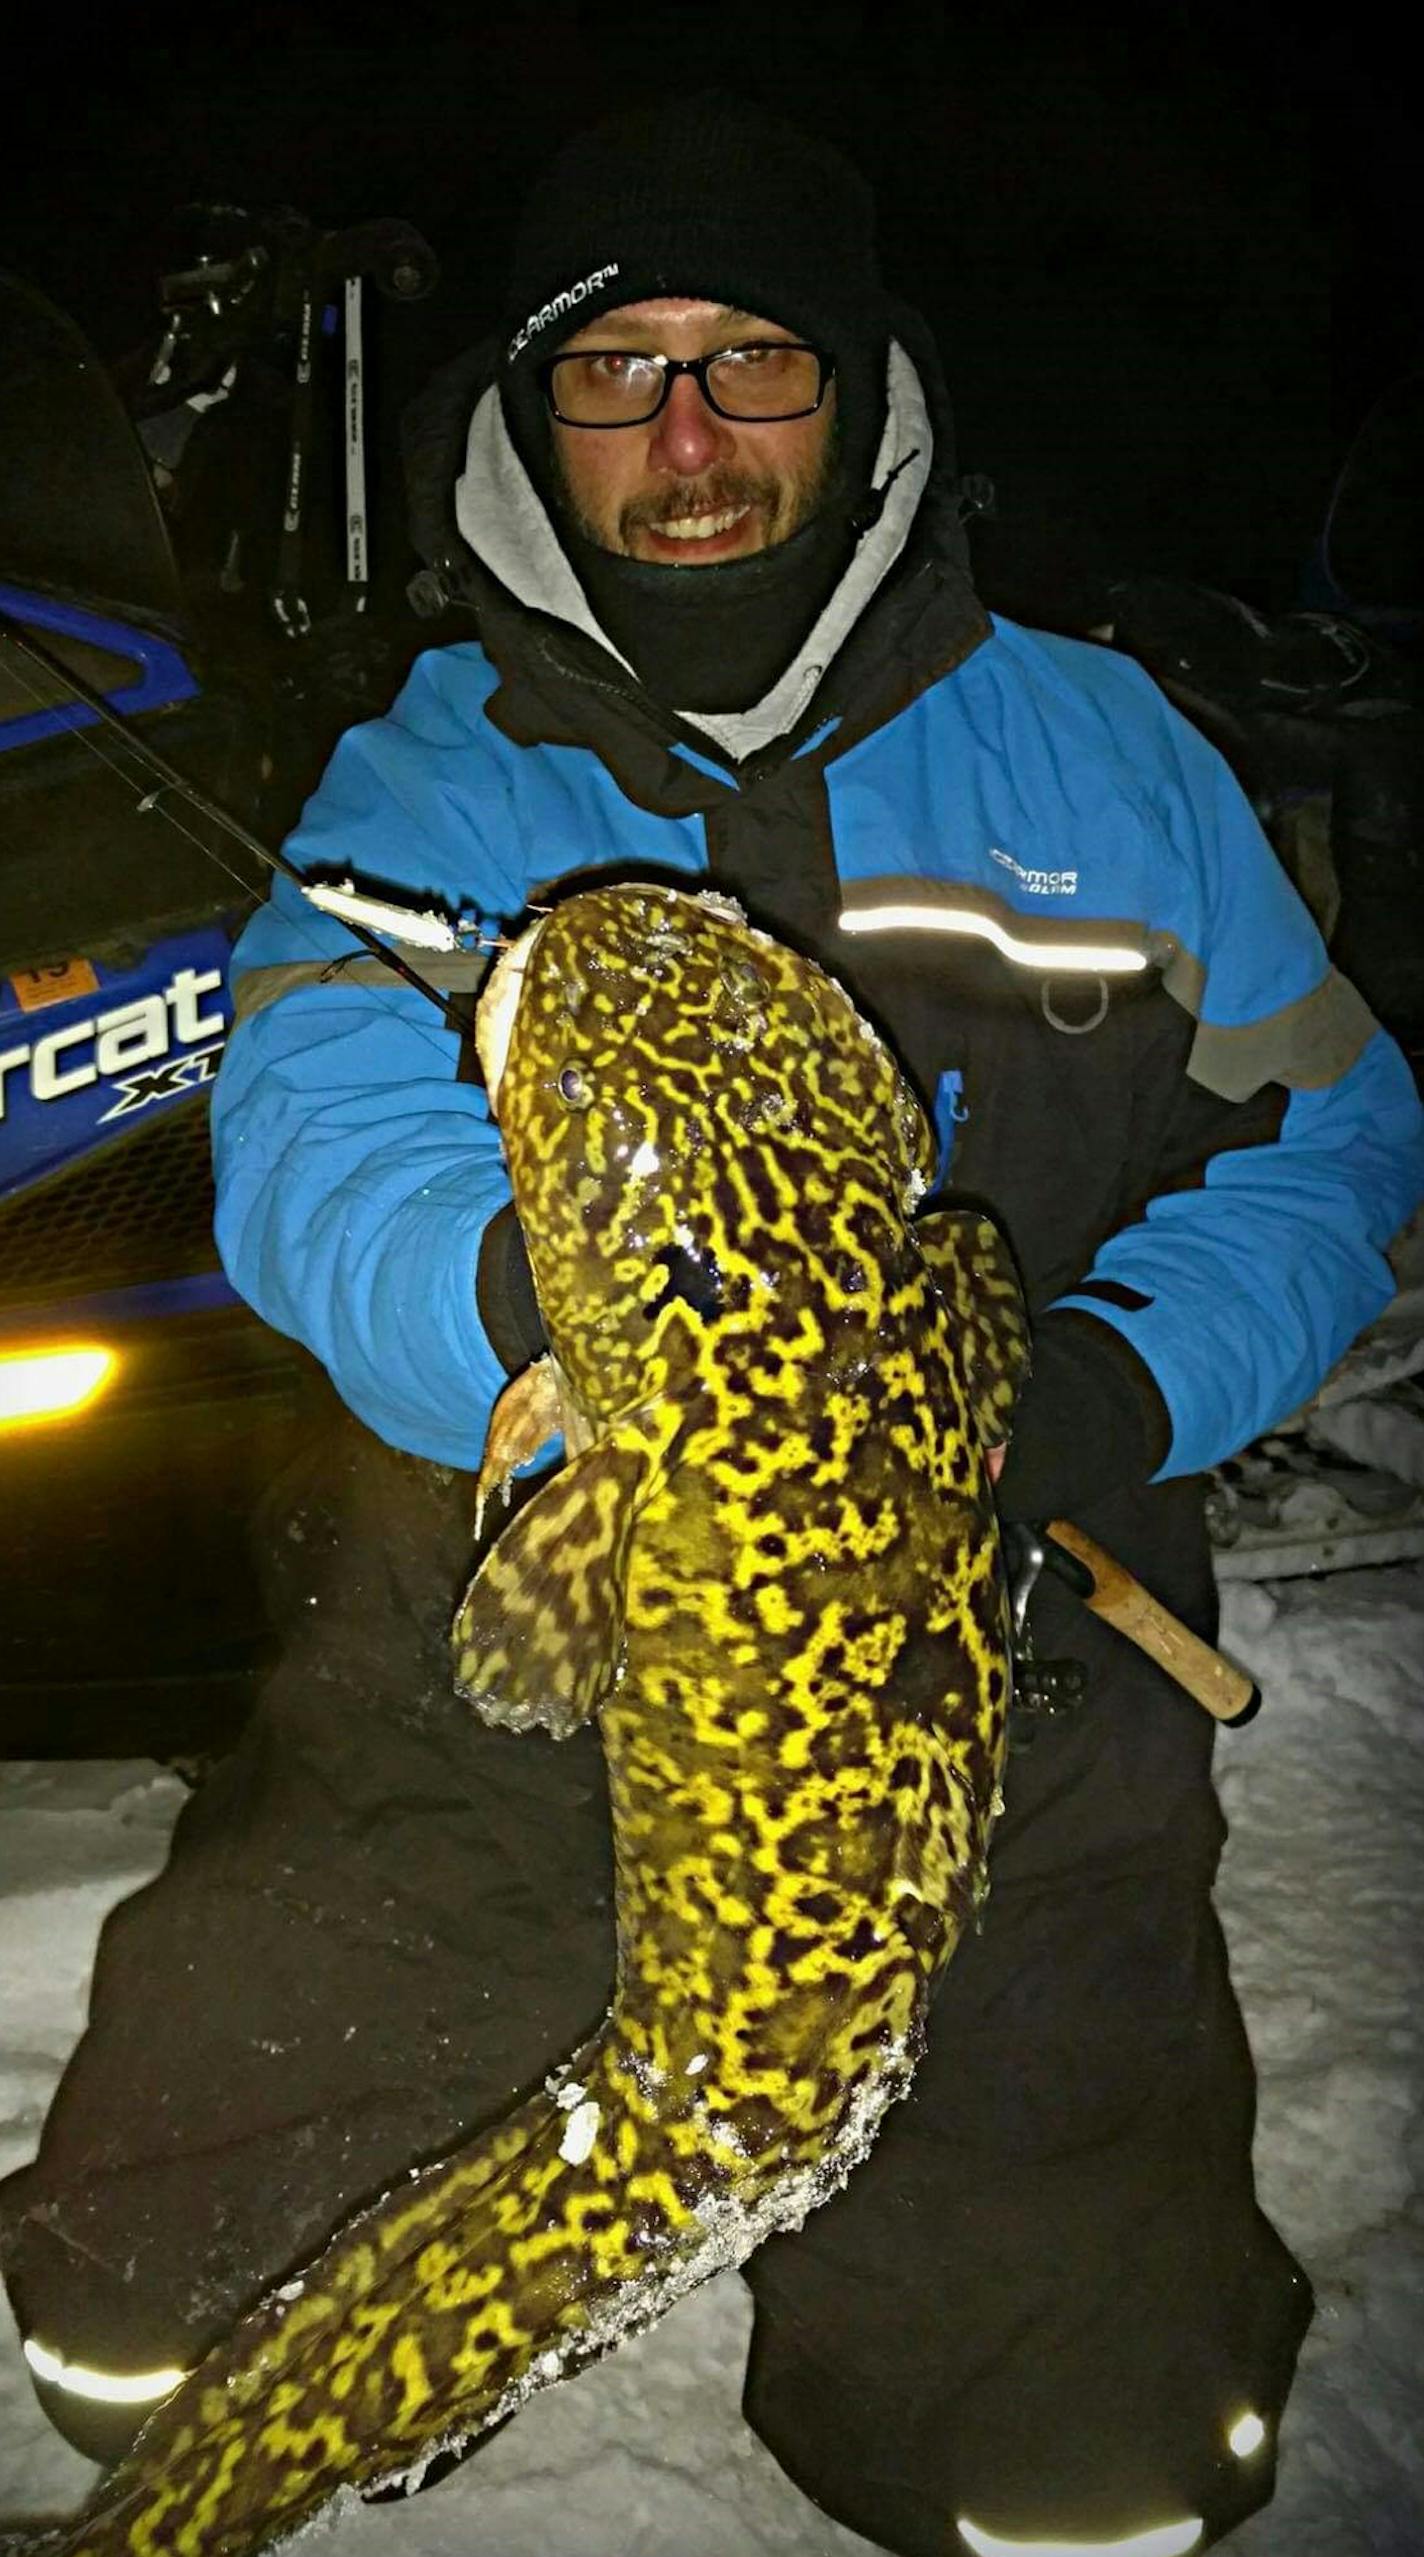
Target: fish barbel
<point x="770" y="1567"/>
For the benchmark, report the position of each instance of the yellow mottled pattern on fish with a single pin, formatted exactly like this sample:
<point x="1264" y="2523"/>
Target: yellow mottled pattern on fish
<point x="772" y="1571"/>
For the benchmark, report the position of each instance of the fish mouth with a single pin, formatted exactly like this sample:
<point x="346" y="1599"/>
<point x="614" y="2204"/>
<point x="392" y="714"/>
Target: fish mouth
<point x="497" y="1006"/>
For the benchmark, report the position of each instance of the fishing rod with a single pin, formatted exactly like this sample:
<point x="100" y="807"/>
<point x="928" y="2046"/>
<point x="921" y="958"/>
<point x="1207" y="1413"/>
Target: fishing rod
<point x="357" y="913"/>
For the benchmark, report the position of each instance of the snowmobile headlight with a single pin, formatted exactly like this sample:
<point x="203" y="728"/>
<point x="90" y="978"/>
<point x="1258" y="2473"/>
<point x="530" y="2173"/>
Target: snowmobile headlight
<point x="52" y="1384"/>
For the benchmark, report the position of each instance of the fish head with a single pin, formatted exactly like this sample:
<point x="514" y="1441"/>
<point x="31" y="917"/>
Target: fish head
<point x="682" y="1102"/>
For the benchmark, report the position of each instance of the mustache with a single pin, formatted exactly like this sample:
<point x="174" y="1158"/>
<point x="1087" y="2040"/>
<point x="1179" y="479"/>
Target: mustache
<point x="713" y="493"/>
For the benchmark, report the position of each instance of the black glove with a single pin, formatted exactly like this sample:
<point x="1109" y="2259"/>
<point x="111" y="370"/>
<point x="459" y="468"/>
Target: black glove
<point x="504" y="1293"/>
<point x="1090" y="1419"/>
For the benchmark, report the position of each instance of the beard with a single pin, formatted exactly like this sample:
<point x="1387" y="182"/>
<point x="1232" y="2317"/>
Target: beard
<point x="786" y="500"/>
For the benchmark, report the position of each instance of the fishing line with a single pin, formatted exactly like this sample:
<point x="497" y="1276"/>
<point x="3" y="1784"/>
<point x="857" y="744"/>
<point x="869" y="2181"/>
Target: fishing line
<point x="152" y="802"/>
<point x="148" y="801"/>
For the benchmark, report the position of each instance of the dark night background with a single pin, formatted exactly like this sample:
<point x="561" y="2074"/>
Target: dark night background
<point x="1169" y="249"/>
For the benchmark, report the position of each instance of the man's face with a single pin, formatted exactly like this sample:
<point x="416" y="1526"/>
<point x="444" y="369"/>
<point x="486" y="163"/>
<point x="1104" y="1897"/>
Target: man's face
<point x="690" y="487"/>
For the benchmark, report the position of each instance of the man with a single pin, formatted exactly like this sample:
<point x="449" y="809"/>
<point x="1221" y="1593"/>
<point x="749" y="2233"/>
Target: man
<point x="705" y="511"/>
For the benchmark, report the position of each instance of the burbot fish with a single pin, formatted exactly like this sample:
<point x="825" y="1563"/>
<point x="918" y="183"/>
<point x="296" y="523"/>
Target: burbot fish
<point x="769" y="1566"/>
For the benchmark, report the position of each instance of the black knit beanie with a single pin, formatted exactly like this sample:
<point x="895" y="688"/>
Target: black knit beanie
<point x="713" y="197"/>
<point x="704" y="195"/>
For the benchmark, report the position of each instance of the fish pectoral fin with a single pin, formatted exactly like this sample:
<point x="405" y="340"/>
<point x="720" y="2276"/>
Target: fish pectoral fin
<point x="977" y="1277"/>
<point x="539" y="1635"/>
<point x="535" y="1406"/>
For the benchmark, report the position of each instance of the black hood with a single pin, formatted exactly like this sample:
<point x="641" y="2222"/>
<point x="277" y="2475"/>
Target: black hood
<point x="922" y="619"/>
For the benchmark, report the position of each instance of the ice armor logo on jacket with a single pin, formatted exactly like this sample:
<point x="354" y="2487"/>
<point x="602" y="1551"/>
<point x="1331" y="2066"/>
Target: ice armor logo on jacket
<point x="1039" y="883"/>
<point x="568" y="300"/>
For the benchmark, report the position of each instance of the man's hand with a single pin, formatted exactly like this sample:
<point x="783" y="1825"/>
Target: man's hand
<point x="504" y="1290"/>
<point x="1089" y="1420"/>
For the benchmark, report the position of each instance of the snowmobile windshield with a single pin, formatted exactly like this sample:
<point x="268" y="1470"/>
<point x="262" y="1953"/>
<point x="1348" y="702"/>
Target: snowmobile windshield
<point x="79" y="517"/>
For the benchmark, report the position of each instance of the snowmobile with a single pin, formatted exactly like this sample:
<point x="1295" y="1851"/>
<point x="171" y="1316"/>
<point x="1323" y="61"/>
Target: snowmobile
<point x="186" y="543"/>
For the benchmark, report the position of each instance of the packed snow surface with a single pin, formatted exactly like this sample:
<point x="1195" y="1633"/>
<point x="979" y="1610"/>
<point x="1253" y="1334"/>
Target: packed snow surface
<point x="647" y="2455"/>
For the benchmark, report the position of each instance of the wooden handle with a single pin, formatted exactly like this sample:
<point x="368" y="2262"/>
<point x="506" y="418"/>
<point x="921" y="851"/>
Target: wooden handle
<point x="1121" y="1601"/>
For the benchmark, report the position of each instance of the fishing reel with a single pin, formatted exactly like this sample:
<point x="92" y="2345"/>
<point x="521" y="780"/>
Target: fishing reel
<point x="1043" y="1690"/>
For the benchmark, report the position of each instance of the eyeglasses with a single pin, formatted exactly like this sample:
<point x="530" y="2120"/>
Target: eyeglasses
<point x="615" y="386"/>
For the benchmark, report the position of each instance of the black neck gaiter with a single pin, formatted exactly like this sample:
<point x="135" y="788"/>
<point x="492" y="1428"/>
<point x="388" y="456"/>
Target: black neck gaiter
<point x="714" y="638"/>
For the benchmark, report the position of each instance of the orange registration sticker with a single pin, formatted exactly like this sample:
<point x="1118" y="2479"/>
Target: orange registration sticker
<point x="56" y="982"/>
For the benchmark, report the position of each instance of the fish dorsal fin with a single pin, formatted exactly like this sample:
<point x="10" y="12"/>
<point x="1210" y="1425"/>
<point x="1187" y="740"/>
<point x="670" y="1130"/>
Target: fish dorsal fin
<point x="975" y="1273"/>
<point x="539" y="1636"/>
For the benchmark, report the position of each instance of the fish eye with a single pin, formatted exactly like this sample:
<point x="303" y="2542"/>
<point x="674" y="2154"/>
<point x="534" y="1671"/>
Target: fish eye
<point x="572" y="1087"/>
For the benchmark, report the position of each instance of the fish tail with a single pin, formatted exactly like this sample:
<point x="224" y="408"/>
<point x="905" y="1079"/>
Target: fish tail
<point x="442" y="2307"/>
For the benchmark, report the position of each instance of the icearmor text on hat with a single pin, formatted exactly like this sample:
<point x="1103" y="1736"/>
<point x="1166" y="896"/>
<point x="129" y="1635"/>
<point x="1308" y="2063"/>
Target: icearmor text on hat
<point x="562" y="302"/>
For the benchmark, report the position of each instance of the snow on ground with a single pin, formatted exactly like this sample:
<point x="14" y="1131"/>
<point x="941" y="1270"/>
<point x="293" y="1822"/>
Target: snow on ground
<point x="647" y="2455"/>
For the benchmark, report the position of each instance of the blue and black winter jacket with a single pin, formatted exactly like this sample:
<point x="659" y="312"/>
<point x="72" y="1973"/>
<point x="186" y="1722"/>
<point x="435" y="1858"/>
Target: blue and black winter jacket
<point x="1200" y="1159"/>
